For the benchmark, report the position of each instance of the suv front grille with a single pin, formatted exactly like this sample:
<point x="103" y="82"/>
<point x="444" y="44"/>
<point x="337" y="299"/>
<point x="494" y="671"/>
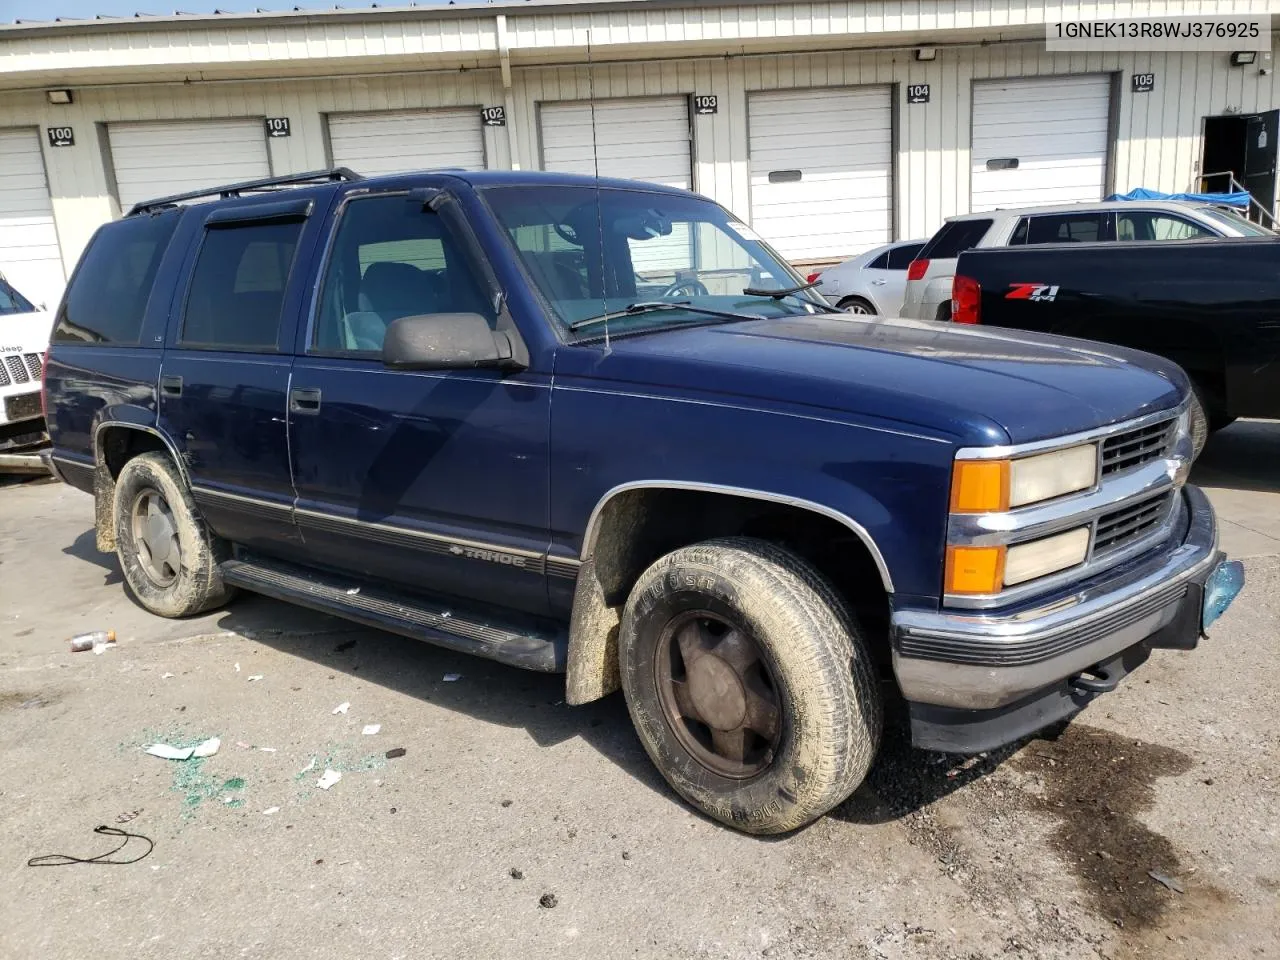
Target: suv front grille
<point x="1133" y="448"/>
<point x="34" y="362"/>
<point x="1119" y="528"/>
<point x="16" y="370"/>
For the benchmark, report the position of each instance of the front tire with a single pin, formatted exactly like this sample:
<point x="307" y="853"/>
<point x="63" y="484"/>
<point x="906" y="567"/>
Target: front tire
<point x="167" y="553"/>
<point x="749" y="684"/>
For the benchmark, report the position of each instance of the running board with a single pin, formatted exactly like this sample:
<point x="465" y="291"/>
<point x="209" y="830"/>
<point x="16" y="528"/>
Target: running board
<point x="521" y="642"/>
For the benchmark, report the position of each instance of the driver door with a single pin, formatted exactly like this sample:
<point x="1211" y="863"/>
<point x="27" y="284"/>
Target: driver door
<point x="435" y="480"/>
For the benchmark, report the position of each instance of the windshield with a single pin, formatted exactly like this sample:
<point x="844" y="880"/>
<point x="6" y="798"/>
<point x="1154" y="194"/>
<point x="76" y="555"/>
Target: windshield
<point x="11" y="301"/>
<point x="594" y="253"/>
<point x="1233" y="221"/>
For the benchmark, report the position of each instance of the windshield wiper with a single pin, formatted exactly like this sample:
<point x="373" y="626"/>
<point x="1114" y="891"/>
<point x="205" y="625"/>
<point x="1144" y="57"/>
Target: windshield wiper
<point x="649" y="306"/>
<point x="789" y="292"/>
<point x="777" y="294"/>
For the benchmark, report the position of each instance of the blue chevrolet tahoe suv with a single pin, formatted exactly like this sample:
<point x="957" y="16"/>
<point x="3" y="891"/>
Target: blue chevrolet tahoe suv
<point x="601" y="428"/>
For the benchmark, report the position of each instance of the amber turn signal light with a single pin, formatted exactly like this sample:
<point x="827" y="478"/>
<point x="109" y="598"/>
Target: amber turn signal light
<point x="980" y="486"/>
<point x="974" y="570"/>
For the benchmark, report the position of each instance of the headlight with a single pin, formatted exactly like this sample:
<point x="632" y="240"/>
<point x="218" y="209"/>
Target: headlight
<point x="988" y="570"/>
<point x="990" y="486"/>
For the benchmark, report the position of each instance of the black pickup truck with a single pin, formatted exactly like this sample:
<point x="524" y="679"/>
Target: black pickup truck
<point x="1212" y="306"/>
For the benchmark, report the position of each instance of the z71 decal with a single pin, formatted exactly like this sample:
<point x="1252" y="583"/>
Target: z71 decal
<point x="1031" y="291"/>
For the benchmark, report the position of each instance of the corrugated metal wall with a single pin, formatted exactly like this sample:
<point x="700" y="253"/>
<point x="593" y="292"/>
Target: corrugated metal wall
<point x="1158" y="134"/>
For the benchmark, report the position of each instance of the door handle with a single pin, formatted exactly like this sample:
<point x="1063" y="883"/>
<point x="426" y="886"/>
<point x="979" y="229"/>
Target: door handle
<point x="878" y="283"/>
<point x="304" y="400"/>
<point x="171" y="386"/>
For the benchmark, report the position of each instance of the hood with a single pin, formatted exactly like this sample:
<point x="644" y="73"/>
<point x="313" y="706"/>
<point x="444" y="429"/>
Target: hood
<point x="25" y="332"/>
<point x="980" y="385"/>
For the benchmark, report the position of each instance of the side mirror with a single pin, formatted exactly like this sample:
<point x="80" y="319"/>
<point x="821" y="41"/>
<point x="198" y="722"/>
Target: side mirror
<point x="445" y="341"/>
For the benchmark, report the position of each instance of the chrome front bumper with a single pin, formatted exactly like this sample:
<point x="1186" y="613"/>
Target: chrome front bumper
<point x="982" y="660"/>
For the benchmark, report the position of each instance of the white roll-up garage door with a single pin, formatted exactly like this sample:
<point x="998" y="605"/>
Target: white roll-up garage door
<point x="1038" y="141"/>
<point x="378" y="143"/>
<point x="645" y="138"/>
<point x="822" y="170"/>
<point x="157" y="159"/>
<point x="29" y="254"/>
<point x="642" y="138"/>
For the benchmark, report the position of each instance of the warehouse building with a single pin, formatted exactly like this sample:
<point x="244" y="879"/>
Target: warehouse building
<point x="831" y="126"/>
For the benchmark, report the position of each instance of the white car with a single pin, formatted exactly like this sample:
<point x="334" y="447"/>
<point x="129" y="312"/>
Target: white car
<point x="871" y="282"/>
<point x="24" y="338"/>
<point x="928" y="288"/>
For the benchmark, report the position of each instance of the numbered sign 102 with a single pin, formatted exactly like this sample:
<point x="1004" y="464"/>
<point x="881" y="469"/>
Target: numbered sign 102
<point x="706" y="104"/>
<point x="494" y="116"/>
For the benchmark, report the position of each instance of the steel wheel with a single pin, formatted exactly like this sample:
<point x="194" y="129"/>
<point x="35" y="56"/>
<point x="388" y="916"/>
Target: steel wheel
<point x="718" y="695"/>
<point x="156" y="534"/>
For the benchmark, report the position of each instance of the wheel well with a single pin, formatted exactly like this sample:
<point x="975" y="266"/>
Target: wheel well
<point x="118" y="445"/>
<point x="636" y="527"/>
<point x="855" y="298"/>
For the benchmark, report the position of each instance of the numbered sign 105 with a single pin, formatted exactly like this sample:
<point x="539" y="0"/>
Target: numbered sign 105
<point x="1144" y="82"/>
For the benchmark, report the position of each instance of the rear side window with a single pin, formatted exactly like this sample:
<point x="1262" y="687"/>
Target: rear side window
<point x="237" y="289"/>
<point x="900" y="257"/>
<point x="954" y="239"/>
<point x="880" y="263"/>
<point x="1062" y="228"/>
<point x="1157" y="226"/>
<point x="108" y="296"/>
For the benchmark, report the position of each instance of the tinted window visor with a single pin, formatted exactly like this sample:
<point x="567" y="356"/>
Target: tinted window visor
<point x="597" y="253"/>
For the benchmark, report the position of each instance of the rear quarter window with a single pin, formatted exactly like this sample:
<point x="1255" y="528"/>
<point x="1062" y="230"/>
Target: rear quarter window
<point x="954" y="238"/>
<point x="108" y="296"/>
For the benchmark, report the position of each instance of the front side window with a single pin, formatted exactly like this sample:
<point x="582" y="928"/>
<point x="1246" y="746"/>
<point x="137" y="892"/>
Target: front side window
<point x="107" y="299"/>
<point x="11" y="301"/>
<point x="1157" y="226"/>
<point x="237" y="289"/>
<point x="594" y="253"/>
<point x="390" y="258"/>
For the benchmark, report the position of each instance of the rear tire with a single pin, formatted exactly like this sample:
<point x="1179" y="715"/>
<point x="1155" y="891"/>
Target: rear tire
<point x="749" y="684"/>
<point x="857" y="305"/>
<point x="167" y="553"/>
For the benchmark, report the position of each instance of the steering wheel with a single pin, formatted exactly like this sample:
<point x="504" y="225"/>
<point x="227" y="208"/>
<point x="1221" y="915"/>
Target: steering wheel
<point x="686" y="288"/>
<point x="567" y="233"/>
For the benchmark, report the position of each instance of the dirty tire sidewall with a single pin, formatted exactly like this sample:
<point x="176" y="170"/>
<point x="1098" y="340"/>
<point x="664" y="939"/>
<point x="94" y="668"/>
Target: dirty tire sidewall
<point x="826" y="684"/>
<point x="1199" y="421"/>
<point x="198" y="586"/>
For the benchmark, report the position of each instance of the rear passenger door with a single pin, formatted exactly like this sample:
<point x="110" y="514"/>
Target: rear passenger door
<point x="224" y="378"/>
<point x="434" y="479"/>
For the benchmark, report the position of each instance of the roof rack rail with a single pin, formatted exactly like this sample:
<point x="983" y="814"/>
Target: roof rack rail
<point x="249" y="186"/>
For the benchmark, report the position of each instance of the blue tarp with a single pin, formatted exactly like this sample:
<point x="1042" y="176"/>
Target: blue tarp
<point x="1238" y="199"/>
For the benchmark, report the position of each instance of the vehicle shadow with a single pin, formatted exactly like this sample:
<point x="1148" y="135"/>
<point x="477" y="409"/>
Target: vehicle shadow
<point x="487" y="691"/>
<point x="1241" y="457"/>
<point x="904" y="779"/>
<point x="85" y="547"/>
